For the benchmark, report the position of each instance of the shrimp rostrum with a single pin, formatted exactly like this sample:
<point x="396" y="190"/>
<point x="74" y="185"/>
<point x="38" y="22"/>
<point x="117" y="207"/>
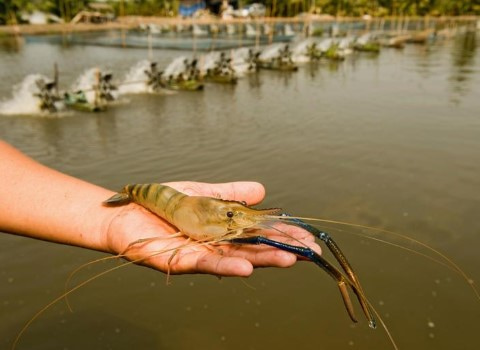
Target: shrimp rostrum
<point x="212" y="220"/>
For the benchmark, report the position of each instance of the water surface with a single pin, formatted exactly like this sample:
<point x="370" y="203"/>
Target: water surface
<point x="391" y="141"/>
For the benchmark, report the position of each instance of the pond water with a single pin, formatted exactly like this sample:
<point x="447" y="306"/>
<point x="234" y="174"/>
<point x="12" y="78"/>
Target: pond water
<point x="390" y="141"/>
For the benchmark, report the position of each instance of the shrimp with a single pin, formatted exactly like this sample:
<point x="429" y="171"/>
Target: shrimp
<point x="199" y="218"/>
<point x="207" y="219"/>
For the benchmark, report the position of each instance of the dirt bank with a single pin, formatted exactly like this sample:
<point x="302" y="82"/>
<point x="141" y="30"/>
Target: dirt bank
<point x="32" y="29"/>
<point x="129" y="22"/>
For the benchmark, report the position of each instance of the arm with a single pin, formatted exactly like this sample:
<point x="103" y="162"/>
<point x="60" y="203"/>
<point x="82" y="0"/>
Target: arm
<point x="42" y="203"/>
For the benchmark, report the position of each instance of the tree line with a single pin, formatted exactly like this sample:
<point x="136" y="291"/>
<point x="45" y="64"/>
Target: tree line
<point x="11" y="10"/>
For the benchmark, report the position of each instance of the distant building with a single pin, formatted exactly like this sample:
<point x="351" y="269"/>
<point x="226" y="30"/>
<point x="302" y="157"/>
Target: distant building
<point x="188" y="7"/>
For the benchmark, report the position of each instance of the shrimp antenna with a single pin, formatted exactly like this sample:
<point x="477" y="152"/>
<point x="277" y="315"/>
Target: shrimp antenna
<point x="397" y="245"/>
<point x="113" y="257"/>
<point x="448" y="261"/>
<point x="81" y="267"/>
<point x="80" y="285"/>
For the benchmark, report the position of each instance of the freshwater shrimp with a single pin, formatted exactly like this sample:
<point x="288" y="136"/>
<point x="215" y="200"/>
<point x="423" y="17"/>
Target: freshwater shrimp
<point x="210" y="221"/>
<point x="206" y="219"/>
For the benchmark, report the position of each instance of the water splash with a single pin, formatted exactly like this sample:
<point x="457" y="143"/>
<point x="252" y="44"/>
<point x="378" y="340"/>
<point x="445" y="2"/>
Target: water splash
<point x="208" y="61"/>
<point x="24" y="100"/>
<point x="365" y="38"/>
<point x="240" y="60"/>
<point x="325" y="44"/>
<point x="177" y="66"/>
<point x="271" y="51"/>
<point x="135" y="79"/>
<point x="300" y="51"/>
<point x="87" y="82"/>
<point x="346" y="45"/>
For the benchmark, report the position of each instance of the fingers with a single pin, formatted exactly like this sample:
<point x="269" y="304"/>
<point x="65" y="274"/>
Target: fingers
<point x="224" y="265"/>
<point x="239" y="263"/>
<point x="178" y="256"/>
<point x="201" y="262"/>
<point x="262" y="256"/>
<point x="223" y="260"/>
<point x="250" y="192"/>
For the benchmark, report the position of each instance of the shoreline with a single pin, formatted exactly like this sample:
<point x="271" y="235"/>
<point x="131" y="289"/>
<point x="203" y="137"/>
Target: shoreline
<point x="130" y="22"/>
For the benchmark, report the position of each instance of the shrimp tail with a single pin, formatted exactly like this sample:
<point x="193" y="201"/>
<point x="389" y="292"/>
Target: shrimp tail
<point x="120" y="198"/>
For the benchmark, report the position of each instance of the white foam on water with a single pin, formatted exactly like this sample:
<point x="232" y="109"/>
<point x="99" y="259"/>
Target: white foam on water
<point x="346" y="43"/>
<point x="176" y="67"/>
<point x="86" y="82"/>
<point x="271" y="51"/>
<point x="208" y="60"/>
<point x="325" y="44"/>
<point x="135" y="79"/>
<point x="299" y="52"/>
<point x="23" y="100"/>
<point x="240" y="60"/>
<point x="364" y="39"/>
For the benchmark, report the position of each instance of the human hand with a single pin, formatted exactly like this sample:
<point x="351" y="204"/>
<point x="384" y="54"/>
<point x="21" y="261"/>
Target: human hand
<point x="176" y="254"/>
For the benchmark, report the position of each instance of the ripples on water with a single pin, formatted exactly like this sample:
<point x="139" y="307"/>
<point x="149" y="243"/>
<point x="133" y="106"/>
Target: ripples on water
<point x="389" y="141"/>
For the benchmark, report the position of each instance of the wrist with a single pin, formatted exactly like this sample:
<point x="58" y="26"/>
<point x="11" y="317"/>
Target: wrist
<point x="122" y="225"/>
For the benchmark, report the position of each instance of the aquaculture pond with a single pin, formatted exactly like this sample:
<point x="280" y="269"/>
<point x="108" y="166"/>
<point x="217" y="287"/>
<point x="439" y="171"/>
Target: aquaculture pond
<point x="389" y="140"/>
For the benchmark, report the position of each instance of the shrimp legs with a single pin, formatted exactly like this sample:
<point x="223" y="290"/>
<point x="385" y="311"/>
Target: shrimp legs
<point x="343" y="281"/>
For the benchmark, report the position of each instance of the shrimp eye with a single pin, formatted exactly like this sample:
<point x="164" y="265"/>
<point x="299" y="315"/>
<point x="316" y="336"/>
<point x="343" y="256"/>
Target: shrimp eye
<point x="230" y="214"/>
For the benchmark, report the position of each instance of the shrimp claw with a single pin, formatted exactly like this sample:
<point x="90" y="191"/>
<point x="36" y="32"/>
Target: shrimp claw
<point x="343" y="282"/>
<point x="353" y="280"/>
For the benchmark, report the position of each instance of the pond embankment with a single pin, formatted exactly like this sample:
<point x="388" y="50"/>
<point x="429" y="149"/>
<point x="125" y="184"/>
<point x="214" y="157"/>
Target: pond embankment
<point x="129" y="22"/>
